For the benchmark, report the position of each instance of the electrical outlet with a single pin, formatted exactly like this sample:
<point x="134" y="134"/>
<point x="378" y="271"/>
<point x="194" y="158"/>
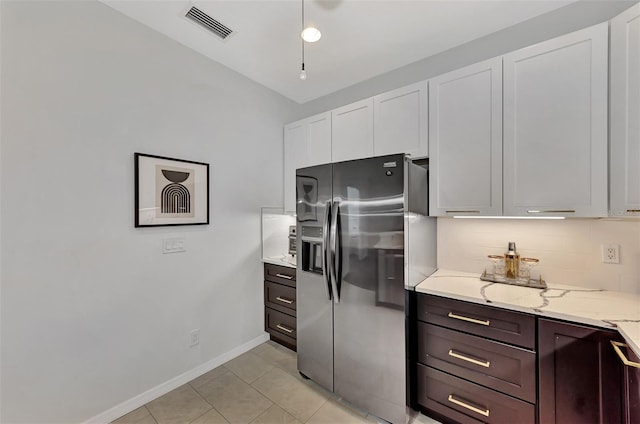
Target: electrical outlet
<point x="194" y="337"/>
<point x="611" y="253"/>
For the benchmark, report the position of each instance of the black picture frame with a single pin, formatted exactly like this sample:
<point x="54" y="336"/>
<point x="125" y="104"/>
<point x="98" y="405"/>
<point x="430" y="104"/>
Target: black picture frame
<point x="170" y="191"/>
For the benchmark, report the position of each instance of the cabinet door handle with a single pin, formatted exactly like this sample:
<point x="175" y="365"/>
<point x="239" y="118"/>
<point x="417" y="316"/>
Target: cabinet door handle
<point x="554" y="211"/>
<point x="623" y="358"/>
<point x="283" y="300"/>
<point x="283" y="328"/>
<point x="482" y="363"/>
<point x="473" y="320"/>
<point x="285" y="276"/>
<point x="633" y="210"/>
<point x="458" y="402"/>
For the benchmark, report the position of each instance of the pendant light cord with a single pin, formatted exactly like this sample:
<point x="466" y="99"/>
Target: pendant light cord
<point x="302" y="29"/>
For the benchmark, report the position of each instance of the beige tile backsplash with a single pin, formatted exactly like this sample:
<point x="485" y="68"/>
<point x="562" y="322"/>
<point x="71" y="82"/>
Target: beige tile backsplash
<point x="569" y="250"/>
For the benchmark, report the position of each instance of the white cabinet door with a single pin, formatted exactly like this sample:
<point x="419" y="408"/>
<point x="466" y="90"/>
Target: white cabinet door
<point x="555" y="126"/>
<point x="625" y="114"/>
<point x="352" y="131"/>
<point x="306" y="142"/>
<point x="319" y="138"/>
<point x="400" y="122"/>
<point x="295" y="156"/>
<point x="465" y="141"/>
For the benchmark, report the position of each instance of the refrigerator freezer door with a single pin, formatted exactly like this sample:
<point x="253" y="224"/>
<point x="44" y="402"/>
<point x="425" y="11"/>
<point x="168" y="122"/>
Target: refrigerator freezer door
<point x="369" y="320"/>
<point x="314" y="305"/>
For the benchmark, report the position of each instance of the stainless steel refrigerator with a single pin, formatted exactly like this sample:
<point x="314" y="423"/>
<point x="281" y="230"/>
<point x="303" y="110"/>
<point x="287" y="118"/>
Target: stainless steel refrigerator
<point x="363" y="239"/>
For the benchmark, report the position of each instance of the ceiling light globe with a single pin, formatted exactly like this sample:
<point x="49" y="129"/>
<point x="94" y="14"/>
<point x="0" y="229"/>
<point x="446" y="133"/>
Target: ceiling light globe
<point x="303" y="75"/>
<point x="311" y="34"/>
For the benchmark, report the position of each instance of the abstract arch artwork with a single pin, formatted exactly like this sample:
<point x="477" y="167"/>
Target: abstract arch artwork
<point x="175" y="198"/>
<point x="170" y="191"/>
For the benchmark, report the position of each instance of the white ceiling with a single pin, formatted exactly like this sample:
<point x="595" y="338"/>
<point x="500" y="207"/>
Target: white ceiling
<point x="360" y="38"/>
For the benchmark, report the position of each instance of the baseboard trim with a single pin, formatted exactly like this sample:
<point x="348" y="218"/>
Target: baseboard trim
<point x="164" y="388"/>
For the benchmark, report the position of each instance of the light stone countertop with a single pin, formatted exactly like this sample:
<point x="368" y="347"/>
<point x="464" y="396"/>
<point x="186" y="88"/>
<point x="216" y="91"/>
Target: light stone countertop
<point x="597" y="307"/>
<point x="288" y="261"/>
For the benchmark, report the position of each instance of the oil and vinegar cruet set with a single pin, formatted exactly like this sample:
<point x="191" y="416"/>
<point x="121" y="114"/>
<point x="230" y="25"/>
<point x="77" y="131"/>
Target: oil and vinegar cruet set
<point x="510" y="268"/>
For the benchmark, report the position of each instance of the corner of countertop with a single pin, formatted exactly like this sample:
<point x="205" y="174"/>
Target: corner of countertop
<point x="288" y="261"/>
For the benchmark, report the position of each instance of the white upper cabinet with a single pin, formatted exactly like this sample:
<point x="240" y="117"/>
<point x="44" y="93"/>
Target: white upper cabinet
<point x="465" y="141"/>
<point x="352" y="131"/>
<point x="306" y="143"/>
<point x="555" y="126"/>
<point x="319" y="139"/>
<point x="400" y="121"/>
<point x="625" y="114"/>
<point x="295" y="156"/>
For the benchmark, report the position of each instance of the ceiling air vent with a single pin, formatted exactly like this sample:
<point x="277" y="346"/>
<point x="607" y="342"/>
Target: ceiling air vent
<point x="208" y="22"/>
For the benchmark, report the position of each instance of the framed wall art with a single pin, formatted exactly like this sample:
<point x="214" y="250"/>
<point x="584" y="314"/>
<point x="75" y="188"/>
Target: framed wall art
<point x="170" y="191"/>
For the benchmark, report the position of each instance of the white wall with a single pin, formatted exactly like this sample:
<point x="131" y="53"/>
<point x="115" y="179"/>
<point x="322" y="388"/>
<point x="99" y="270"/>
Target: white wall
<point x="92" y="312"/>
<point x="569" y="250"/>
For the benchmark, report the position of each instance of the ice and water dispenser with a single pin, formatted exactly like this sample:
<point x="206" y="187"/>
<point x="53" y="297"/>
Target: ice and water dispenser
<point x="311" y="249"/>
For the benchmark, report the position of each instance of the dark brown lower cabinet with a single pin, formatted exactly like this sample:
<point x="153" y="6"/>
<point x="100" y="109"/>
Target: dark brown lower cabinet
<point x="580" y="376"/>
<point x="474" y="363"/>
<point x="280" y="304"/>
<point x="480" y="364"/>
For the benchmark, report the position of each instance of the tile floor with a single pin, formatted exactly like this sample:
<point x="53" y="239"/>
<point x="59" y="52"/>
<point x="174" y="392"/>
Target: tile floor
<point x="261" y="386"/>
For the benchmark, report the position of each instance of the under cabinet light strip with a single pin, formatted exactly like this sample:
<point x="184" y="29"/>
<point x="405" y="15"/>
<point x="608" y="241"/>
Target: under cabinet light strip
<point x="508" y="217"/>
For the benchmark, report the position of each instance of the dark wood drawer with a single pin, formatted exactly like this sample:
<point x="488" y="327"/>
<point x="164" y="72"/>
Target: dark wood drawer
<point x="508" y="369"/>
<point x="280" y="274"/>
<point x="494" y="323"/>
<point x="280" y="297"/>
<point x="467" y="402"/>
<point x="279" y="323"/>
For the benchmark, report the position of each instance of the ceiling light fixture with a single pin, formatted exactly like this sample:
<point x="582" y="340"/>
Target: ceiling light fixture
<point x="303" y="73"/>
<point x="310" y="34"/>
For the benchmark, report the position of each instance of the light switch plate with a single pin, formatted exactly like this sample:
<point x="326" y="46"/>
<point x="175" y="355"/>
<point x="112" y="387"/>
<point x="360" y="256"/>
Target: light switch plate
<point x="173" y="245"/>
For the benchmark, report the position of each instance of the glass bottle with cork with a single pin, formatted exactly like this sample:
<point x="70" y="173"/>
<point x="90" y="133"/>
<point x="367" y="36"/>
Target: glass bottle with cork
<point x="512" y="261"/>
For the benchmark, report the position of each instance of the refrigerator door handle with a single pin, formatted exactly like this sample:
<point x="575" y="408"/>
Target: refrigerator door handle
<point x="325" y="249"/>
<point x="334" y="248"/>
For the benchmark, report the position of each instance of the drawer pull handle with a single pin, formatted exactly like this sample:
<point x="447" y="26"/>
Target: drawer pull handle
<point x="473" y="320"/>
<point x="283" y="300"/>
<point x="283" y="328"/>
<point x="458" y="402"/>
<point x="482" y="363"/>
<point x="285" y="276"/>
<point x="633" y="210"/>
<point x="622" y="356"/>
